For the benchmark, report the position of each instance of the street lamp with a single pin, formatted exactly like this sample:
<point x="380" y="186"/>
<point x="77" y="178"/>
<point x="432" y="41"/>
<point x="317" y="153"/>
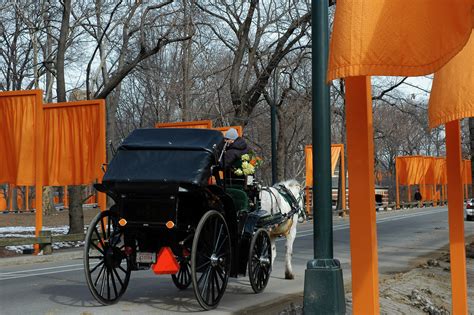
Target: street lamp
<point x="324" y="286"/>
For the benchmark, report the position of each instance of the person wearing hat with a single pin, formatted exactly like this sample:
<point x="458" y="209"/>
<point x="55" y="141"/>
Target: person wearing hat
<point x="236" y="147"/>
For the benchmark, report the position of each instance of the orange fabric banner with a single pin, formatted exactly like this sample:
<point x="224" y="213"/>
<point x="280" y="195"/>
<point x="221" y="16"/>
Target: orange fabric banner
<point x="430" y="170"/>
<point x="426" y="192"/>
<point x="335" y="155"/>
<point x="200" y="124"/>
<point x="412" y="169"/>
<point x="73" y="148"/>
<point x="18" y="135"/>
<point x="452" y="94"/>
<point x="440" y="172"/>
<point x="308" y="150"/>
<point x="404" y="38"/>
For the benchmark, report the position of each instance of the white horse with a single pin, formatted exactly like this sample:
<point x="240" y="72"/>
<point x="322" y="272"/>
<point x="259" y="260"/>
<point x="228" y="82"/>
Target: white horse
<point x="273" y="200"/>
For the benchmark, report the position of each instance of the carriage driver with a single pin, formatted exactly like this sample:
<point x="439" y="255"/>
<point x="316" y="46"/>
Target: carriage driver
<point x="236" y="147"/>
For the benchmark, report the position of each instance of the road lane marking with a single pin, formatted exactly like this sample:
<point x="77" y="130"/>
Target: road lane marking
<point x="38" y="269"/>
<point x="36" y="274"/>
<point x="345" y="226"/>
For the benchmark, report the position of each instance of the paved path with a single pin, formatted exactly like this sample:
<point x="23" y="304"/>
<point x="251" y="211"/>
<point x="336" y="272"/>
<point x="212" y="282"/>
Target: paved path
<point x="59" y="287"/>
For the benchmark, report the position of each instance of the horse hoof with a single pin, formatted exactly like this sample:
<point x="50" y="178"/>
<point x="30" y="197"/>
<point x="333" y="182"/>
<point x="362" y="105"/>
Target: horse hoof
<point x="289" y="276"/>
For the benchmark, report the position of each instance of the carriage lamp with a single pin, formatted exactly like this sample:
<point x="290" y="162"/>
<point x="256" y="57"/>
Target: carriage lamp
<point x="122" y="222"/>
<point x="170" y="224"/>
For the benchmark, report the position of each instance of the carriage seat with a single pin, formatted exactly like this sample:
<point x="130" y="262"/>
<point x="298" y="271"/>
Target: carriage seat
<point x="240" y="199"/>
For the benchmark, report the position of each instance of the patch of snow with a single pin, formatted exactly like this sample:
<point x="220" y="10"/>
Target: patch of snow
<point x="28" y="231"/>
<point x="19" y="229"/>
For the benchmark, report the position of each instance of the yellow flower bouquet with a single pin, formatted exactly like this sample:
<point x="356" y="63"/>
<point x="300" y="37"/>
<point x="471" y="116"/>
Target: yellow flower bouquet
<point x="249" y="162"/>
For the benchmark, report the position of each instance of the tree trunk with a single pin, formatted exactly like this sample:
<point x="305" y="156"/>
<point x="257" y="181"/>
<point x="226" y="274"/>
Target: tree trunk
<point x="111" y="113"/>
<point x="63" y="37"/>
<point x="76" y="216"/>
<point x="281" y="147"/>
<point x="187" y="64"/>
<point x="48" y="201"/>
<point x="14" y="198"/>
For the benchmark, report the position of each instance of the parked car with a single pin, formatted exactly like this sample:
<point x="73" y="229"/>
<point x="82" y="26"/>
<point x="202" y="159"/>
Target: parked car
<point x="469" y="210"/>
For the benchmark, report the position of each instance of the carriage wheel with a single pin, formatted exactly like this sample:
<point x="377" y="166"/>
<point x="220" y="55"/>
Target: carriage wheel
<point x="106" y="266"/>
<point x="260" y="260"/>
<point x="210" y="259"/>
<point x="182" y="279"/>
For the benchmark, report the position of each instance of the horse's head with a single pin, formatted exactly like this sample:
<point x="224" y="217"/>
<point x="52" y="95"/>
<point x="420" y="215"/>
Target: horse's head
<point x="298" y="192"/>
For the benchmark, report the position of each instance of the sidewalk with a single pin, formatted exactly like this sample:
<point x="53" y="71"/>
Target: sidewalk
<point x="57" y="256"/>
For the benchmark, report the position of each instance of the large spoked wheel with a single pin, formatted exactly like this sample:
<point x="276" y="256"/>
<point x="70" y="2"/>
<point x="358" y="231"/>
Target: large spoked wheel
<point x="210" y="259"/>
<point x="260" y="260"/>
<point x="182" y="279"/>
<point x="106" y="266"/>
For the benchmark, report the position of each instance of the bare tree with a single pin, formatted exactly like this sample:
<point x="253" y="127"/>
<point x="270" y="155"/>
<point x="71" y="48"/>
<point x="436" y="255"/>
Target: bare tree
<point x="259" y="34"/>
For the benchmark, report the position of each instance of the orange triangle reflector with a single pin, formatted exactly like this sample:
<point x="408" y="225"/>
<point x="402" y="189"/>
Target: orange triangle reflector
<point x="166" y="263"/>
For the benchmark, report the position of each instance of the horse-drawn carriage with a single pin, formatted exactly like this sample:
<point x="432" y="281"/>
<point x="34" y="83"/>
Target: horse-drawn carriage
<point x="174" y="213"/>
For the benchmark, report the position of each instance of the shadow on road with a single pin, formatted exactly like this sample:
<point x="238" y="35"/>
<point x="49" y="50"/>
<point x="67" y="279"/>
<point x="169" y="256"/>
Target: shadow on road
<point x="156" y="294"/>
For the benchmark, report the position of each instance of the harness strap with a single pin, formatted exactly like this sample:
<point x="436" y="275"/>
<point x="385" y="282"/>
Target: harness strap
<point x="270" y="191"/>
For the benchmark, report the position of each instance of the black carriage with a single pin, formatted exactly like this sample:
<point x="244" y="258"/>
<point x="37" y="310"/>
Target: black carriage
<point x="176" y="213"/>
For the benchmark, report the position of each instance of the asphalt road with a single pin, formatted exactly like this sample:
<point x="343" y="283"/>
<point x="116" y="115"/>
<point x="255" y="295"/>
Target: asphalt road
<point x="59" y="287"/>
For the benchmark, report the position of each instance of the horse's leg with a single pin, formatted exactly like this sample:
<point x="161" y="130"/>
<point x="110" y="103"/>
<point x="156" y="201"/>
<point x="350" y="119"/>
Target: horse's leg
<point x="290" y="238"/>
<point x="274" y="250"/>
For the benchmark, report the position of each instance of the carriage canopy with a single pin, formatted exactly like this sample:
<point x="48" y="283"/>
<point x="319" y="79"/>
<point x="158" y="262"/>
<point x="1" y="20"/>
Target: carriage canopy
<point x="165" y="156"/>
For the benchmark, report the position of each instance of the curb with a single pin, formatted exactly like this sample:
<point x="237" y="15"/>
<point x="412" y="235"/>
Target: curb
<point x="274" y="306"/>
<point x="35" y="259"/>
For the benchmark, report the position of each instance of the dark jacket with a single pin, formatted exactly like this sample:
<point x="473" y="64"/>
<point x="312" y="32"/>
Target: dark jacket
<point x="235" y="151"/>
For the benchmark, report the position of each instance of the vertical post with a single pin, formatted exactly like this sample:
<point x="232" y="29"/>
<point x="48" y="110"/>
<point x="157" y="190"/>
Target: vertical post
<point x="27" y="201"/>
<point x="409" y="193"/>
<point x="47" y="248"/>
<point x="102" y="198"/>
<point x="456" y="218"/>
<point x="397" y="187"/>
<point x="66" y="197"/>
<point x="324" y="286"/>
<point x="363" y="229"/>
<point x="307" y="200"/>
<point x="273" y="130"/>
<point x="39" y="147"/>
<point x="11" y="187"/>
<point x="343" y="181"/>
<point x="445" y="194"/>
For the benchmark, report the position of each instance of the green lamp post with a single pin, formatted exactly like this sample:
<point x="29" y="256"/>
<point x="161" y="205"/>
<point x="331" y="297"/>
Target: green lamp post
<point x="323" y="286"/>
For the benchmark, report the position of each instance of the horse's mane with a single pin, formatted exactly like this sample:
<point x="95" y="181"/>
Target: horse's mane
<point x="289" y="183"/>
